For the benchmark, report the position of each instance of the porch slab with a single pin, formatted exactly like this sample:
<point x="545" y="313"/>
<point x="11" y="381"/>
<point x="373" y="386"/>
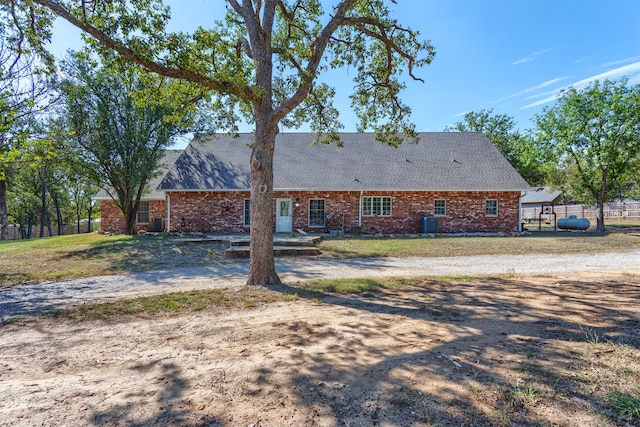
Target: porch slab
<point x="244" y="252"/>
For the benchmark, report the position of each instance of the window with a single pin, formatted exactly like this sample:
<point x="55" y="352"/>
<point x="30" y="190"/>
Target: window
<point x="143" y="213"/>
<point x="247" y="213"/>
<point x="440" y="207"/>
<point x="491" y="208"/>
<point x="376" y="206"/>
<point x="316" y="213"/>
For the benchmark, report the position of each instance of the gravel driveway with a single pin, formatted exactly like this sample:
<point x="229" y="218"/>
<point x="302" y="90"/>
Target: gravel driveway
<point x="32" y="299"/>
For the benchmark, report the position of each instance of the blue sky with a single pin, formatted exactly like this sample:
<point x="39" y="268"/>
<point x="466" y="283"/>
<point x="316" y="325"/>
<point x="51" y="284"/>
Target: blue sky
<point x="512" y="56"/>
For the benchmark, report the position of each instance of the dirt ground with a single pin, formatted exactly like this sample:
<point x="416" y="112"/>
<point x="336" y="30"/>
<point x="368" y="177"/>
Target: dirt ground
<point x="495" y="351"/>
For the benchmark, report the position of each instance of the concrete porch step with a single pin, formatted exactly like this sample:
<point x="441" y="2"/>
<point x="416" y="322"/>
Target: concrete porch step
<point x="307" y="241"/>
<point x="243" y="251"/>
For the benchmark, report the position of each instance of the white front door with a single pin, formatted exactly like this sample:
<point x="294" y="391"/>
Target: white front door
<point x="283" y="215"/>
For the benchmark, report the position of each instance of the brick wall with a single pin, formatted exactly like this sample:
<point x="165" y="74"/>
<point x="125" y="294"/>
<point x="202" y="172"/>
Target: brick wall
<point x="207" y="211"/>
<point x="112" y="219"/>
<point x="217" y="212"/>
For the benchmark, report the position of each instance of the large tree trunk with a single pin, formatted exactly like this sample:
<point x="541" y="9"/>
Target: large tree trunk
<point x="30" y="223"/>
<point x="4" y="224"/>
<point x="600" y="217"/>
<point x="130" y="216"/>
<point x="43" y="205"/>
<point x="601" y="196"/>
<point x="262" y="269"/>
<point x="59" y="218"/>
<point x="89" y="213"/>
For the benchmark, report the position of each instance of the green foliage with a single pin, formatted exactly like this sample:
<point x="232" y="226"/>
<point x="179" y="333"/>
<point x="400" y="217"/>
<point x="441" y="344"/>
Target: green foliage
<point x="120" y="122"/>
<point x="527" y="157"/>
<point x="595" y="133"/>
<point x="270" y="49"/>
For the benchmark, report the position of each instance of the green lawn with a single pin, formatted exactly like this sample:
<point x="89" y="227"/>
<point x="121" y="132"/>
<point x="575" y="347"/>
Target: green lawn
<point x="92" y="254"/>
<point x="543" y="242"/>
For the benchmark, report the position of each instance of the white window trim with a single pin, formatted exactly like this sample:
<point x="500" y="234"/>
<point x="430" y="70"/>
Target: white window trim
<point x="372" y="214"/>
<point x="445" y="207"/>
<point x="148" y="212"/>
<point x="485" y="207"/>
<point x="244" y="213"/>
<point x="324" y="220"/>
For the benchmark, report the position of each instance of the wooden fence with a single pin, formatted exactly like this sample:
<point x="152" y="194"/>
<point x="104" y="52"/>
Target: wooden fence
<point x="15" y="232"/>
<point x="612" y="212"/>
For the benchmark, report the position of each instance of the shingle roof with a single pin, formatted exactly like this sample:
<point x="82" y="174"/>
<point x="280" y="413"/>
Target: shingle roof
<point x="165" y="164"/>
<point x="540" y="195"/>
<point x="440" y="161"/>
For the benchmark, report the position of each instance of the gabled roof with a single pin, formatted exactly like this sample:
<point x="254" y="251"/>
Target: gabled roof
<point x="540" y="196"/>
<point x="165" y="164"/>
<point x="440" y="161"/>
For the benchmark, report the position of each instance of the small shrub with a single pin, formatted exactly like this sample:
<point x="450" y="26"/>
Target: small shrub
<point x="625" y="406"/>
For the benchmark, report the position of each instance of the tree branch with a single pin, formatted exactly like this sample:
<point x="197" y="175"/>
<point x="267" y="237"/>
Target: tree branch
<point x="223" y="87"/>
<point x="318" y="47"/>
<point x="390" y="45"/>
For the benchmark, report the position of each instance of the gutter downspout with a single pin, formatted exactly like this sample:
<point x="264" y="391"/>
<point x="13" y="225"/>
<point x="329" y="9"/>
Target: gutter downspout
<point x="168" y="213"/>
<point x="360" y="210"/>
<point x="522" y="194"/>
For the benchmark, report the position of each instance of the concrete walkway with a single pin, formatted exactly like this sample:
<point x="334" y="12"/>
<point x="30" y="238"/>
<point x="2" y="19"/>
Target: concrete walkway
<point x="28" y="300"/>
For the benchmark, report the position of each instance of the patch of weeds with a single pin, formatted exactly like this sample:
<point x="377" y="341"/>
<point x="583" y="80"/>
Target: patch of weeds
<point x="499" y="418"/>
<point x="590" y="335"/>
<point x="400" y="282"/>
<point x="531" y="370"/>
<point x="152" y="305"/>
<point x="317" y="300"/>
<point x="629" y="372"/>
<point x="248" y="302"/>
<point x="510" y="273"/>
<point x="400" y="401"/>
<point x="625" y="406"/>
<point x="291" y="297"/>
<point x="451" y="279"/>
<point x="427" y="420"/>
<point x="430" y="308"/>
<point x="522" y="395"/>
<point x="344" y="286"/>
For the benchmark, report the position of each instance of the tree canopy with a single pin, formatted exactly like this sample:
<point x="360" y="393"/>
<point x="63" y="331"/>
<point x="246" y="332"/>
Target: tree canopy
<point x="121" y="137"/>
<point x="595" y="132"/>
<point x="24" y="91"/>
<point x="262" y="61"/>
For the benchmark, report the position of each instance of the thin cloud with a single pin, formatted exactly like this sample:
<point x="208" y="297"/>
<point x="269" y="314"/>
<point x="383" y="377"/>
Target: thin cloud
<point x="622" y="61"/>
<point x="532" y="56"/>
<point x="531" y="89"/>
<point x="631" y="71"/>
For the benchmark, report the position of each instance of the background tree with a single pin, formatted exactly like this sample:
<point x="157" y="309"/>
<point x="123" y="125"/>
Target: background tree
<point x="82" y="187"/>
<point x="24" y="92"/>
<point x="119" y="136"/>
<point x="521" y="150"/>
<point x="263" y="61"/>
<point x="595" y="133"/>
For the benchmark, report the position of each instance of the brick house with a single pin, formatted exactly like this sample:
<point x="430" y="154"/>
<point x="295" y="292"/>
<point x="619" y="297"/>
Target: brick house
<point x="448" y="183"/>
<point x="152" y="212"/>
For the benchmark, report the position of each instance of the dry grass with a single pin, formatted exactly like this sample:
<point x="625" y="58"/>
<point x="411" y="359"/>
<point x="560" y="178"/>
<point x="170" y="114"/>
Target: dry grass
<point x="545" y="242"/>
<point x="86" y="255"/>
